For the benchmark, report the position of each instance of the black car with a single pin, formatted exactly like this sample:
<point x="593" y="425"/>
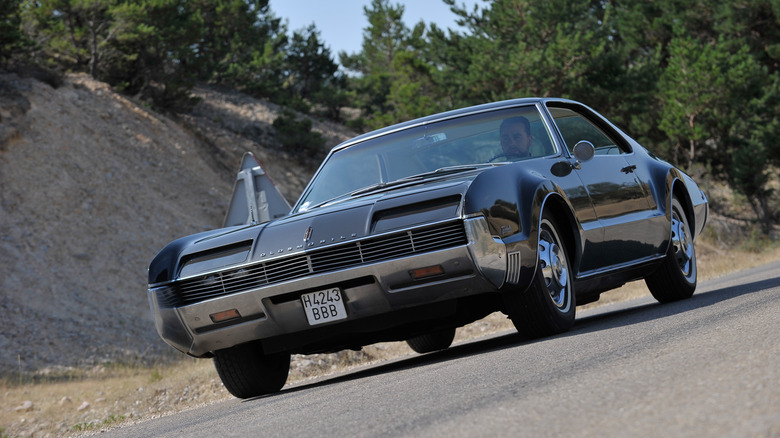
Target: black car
<point x="529" y="207"/>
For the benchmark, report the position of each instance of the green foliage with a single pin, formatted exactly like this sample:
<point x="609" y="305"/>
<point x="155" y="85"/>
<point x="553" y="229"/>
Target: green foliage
<point x="153" y="49"/>
<point x="156" y="376"/>
<point x="719" y="108"/>
<point x="108" y="421"/>
<point x="259" y="73"/>
<point x="233" y="32"/>
<point x="296" y="135"/>
<point x="528" y="48"/>
<point x="394" y="81"/>
<point x="691" y="89"/>
<point x="309" y="64"/>
<point x="144" y="47"/>
<point x="72" y="34"/>
<point x="757" y="242"/>
<point x="157" y="49"/>
<point x="12" y="40"/>
<point x="242" y="45"/>
<point x="697" y="82"/>
<point x="332" y="96"/>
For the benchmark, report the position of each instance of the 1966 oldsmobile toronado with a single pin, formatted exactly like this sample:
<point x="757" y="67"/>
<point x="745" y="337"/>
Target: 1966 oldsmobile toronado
<point x="529" y="207"/>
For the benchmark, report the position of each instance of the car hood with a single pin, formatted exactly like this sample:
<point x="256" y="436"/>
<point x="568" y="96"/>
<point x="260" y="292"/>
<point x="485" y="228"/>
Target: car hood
<point x="356" y="218"/>
<point x="375" y="213"/>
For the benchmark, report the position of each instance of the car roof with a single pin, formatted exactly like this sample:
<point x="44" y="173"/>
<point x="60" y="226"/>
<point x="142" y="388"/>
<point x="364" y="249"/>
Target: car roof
<point x="447" y="115"/>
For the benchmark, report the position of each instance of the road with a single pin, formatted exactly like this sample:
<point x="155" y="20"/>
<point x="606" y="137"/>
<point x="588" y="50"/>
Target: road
<point x="708" y="366"/>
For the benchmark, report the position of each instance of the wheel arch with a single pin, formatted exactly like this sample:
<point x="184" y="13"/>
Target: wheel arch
<point x="505" y="195"/>
<point x="567" y="227"/>
<point x="678" y="190"/>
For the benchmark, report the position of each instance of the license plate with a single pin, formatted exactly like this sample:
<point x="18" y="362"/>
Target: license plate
<point x="324" y="306"/>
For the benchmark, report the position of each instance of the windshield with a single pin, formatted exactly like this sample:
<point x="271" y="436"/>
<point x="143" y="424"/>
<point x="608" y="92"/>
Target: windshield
<point x="446" y="147"/>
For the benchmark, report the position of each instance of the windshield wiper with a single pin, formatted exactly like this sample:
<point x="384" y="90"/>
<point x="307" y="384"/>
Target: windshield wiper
<point x="382" y="185"/>
<point x="358" y="192"/>
<point x="420" y="176"/>
<point x="328" y="201"/>
<point x="448" y="170"/>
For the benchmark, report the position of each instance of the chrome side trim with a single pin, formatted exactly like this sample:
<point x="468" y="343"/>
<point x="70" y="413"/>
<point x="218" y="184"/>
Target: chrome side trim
<point x="513" y="268"/>
<point x="488" y="252"/>
<point x="620" y="266"/>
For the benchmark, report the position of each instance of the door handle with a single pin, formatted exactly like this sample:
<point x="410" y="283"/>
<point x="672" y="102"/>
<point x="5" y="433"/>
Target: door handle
<point x="628" y="169"/>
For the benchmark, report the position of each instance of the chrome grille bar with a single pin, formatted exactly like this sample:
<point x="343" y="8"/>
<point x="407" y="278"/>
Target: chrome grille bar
<point x="352" y="254"/>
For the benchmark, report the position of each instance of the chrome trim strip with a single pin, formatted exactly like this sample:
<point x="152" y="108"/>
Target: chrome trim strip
<point x="513" y="268"/>
<point x="620" y="266"/>
<point x="373" y="249"/>
<point x="356" y="240"/>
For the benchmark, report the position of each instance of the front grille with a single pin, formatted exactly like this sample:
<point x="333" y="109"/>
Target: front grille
<point x="348" y="255"/>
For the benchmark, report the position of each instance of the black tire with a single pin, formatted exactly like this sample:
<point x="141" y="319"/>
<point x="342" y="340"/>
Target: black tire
<point x="548" y="306"/>
<point x="675" y="279"/>
<point x="246" y="372"/>
<point x="434" y="341"/>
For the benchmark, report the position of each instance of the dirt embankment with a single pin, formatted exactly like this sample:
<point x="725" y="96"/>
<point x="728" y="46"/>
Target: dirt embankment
<point x="92" y="185"/>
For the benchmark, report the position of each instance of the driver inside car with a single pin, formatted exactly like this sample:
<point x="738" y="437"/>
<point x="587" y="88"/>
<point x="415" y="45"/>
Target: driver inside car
<point x="516" y="137"/>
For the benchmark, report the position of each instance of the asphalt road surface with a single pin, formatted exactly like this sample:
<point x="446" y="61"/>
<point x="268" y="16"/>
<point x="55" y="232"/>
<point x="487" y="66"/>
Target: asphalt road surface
<point x="705" y="367"/>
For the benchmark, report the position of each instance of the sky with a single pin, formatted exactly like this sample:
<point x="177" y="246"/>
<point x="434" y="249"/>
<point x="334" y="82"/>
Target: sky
<point x="341" y="22"/>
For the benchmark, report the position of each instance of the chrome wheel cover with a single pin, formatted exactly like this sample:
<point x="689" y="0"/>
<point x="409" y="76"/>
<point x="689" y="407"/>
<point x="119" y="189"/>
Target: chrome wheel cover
<point x="555" y="270"/>
<point x="682" y="246"/>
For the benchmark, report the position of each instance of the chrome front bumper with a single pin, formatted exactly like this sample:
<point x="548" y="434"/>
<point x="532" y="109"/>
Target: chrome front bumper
<point x="368" y="290"/>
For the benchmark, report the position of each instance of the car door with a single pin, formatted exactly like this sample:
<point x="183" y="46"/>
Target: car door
<point x="621" y="204"/>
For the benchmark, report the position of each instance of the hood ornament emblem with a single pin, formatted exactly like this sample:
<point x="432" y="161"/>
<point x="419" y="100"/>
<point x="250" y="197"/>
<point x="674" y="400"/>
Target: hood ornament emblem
<point x="307" y="234"/>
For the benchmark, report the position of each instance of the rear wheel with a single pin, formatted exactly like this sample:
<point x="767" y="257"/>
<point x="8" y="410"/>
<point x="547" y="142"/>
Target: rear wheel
<point x="434" y="341"/>
<point x="247" y="372"/>
<point x="548" y="306"/>
<point x="675" y="279"/>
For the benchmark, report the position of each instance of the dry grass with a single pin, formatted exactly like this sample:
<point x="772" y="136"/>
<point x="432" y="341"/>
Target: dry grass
<point x="73" y="402"/>
<point x="67" y="404"/>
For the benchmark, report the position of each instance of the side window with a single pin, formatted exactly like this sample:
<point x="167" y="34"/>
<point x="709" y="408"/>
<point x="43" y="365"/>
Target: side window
<point x="575" y="127"/>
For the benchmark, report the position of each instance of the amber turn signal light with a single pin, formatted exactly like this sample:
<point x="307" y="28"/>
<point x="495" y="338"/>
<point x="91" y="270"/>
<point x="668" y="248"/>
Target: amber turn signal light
<point x="225" y="315"/>
<point x="430" y="271"/>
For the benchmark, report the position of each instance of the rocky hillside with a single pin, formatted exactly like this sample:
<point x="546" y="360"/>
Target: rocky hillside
<point x="92" y="185"/>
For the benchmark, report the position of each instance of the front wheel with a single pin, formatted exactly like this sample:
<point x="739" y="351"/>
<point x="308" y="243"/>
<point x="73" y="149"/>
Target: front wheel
<point x="434" y="341"/>
<point x="548" y="306"/>
<point x="247" y="372"/>
<point x="675" y="279"/>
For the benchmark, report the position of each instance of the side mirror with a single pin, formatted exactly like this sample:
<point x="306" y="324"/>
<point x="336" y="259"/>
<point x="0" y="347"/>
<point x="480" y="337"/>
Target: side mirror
<point x="584" y="151"/>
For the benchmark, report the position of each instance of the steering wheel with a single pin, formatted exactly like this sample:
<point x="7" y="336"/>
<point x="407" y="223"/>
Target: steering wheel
<point x="505" y="156"/>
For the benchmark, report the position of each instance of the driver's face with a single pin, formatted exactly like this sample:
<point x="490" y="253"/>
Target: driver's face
<point x="514" y="139"/>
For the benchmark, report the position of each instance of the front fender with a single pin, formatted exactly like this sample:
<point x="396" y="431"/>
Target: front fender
<point x="167" y="263"/>
<point x="512" y="202"/>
